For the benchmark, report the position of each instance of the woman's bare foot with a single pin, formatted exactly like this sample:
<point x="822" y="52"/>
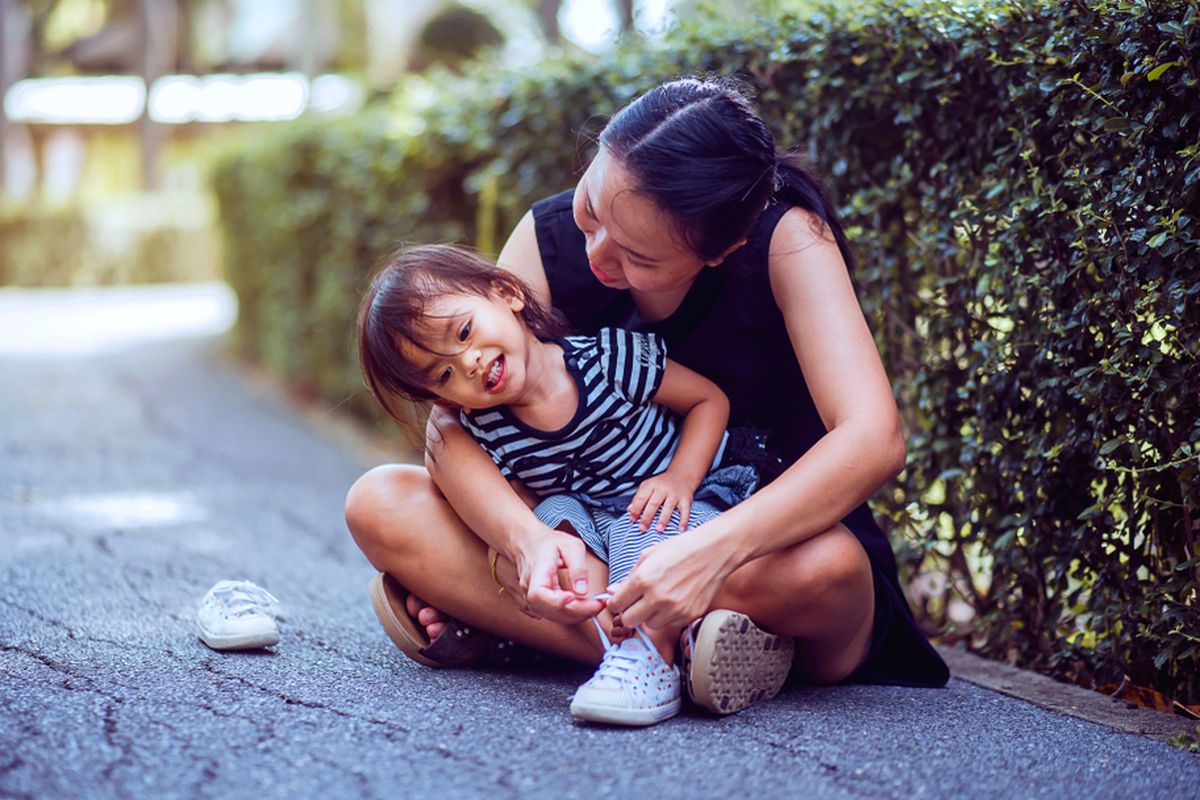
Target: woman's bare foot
<point x="433" y="620"/>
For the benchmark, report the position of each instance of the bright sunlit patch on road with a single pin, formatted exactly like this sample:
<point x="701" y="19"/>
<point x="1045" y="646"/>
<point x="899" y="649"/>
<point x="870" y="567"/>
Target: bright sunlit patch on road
<point x="125" y="510"/>
<point x="107" y="100"/>
<point x="74" y="322"/>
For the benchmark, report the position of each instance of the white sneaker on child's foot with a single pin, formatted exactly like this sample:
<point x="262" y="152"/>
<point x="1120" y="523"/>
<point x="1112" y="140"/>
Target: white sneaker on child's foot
<point x="633" y="686"/>
<point x="234" y="616"/>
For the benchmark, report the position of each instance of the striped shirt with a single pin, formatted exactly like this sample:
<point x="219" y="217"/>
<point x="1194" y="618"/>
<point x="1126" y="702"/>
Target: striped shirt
<point x="617" y="437"/>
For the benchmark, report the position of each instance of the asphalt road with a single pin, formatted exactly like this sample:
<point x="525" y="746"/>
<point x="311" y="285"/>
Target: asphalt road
<point x="137" y="468"/>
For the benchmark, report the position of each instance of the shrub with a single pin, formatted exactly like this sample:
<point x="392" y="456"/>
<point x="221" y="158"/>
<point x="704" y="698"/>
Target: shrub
<point x="153" y="238"/>
<point x="40" y="246"/>
<point x="1019" y="181"/>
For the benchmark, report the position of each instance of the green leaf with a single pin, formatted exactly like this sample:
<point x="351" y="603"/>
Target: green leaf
<point x="1157" y="240"/>
<point x="1158" y="71"/>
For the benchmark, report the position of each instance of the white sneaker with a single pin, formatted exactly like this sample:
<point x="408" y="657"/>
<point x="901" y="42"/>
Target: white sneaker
<point x="234" y="615"/>
<point x="633" y="686"/>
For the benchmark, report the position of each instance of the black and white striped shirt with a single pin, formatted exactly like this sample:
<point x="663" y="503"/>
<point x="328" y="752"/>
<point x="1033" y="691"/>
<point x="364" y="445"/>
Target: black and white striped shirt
<point x="616" y="439"/>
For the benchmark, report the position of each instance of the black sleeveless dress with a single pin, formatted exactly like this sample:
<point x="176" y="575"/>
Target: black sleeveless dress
<point x="729" y="329"/>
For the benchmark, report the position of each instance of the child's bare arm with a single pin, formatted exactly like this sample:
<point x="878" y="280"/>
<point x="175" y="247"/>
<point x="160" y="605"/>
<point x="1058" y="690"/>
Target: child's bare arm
<point x="705" y="411"/>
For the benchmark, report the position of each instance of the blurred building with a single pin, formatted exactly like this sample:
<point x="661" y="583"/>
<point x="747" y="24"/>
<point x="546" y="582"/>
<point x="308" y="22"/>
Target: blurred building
<point x="112" y="94"/>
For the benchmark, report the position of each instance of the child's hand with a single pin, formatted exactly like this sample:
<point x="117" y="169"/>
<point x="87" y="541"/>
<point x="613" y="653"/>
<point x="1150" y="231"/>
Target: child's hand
<point x="663" y="493"/>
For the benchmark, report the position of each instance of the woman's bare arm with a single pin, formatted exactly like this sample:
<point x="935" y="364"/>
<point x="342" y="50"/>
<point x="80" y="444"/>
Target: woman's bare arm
<point x="521" y="255"/>
<point x="676" y="580"/>
<point x="490" y="506"/>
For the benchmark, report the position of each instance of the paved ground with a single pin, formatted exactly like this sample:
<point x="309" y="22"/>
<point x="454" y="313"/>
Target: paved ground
<point x="137" y="468"/>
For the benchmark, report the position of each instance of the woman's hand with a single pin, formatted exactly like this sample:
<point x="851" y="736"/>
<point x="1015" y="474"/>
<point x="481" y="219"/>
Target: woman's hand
<point x="549" y="580"/>
<point x="673" y="583"/>
<point x="664" y="492"/>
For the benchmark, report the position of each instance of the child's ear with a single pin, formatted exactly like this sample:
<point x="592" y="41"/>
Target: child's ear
<point x="514" y="300"/>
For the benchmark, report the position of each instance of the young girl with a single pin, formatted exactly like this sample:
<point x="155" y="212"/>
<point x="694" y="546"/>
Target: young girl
<point x="617" y="441"/>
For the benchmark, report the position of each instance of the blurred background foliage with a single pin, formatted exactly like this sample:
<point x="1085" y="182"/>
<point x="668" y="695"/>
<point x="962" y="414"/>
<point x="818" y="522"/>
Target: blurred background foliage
<point x="130" y="194"/>
<point x="1019" y="180"/>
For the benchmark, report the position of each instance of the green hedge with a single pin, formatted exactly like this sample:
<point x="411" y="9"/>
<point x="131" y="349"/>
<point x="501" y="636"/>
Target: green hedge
<point x="40" y="246"/>
<point x="152" y="238"/>
<point x="1019" y="182"/>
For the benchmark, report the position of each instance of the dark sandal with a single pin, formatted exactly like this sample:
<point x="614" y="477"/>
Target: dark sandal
<point x="459" y="645"/>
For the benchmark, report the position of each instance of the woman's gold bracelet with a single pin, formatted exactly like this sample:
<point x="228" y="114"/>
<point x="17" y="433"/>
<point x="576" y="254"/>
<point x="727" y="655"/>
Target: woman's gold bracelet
<point x="495" y="558"/>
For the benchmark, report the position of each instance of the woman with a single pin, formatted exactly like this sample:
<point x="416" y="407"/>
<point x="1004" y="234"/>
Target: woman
<point x="689" y="225"/>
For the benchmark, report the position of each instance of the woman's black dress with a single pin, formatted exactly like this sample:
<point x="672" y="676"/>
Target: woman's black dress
<point x="729" y="329"/>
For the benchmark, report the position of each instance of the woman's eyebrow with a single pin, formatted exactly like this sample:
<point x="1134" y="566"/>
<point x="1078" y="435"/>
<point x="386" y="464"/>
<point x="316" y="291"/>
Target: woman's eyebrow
<point x="637" y="255"/>
<point x="591" y="207"/>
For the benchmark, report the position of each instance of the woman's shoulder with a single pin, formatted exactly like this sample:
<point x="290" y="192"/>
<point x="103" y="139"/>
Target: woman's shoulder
<point x="557" y="237"/>
<point x="798" y="229"/>
<point x="802" y="239"/>
<point x="522" y="257"/>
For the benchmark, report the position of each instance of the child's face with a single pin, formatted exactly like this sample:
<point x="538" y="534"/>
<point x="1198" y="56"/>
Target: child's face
<point x="476" y="351"/>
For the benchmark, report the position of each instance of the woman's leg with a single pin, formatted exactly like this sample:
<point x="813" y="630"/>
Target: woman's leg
<point x="405" y="527"/>
<point x="819" y="591"/>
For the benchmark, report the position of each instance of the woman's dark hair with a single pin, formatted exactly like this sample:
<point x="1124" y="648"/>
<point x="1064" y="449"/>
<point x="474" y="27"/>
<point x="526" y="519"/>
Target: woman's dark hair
<point x="395" y="308"/>
<point x="699" y="150"/>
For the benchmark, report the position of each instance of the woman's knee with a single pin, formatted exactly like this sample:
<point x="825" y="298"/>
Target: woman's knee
<point x="379" y="502"/>
<point x="835" y="566"/>
<point x="820" y="573"/>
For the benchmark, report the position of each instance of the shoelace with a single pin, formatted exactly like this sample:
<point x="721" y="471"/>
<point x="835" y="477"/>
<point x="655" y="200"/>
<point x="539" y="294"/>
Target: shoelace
<point x="616" y="662"/>
<point x="242" y="597"/>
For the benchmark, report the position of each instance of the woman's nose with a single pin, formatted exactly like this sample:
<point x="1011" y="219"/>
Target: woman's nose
<point x="596" y="244"/>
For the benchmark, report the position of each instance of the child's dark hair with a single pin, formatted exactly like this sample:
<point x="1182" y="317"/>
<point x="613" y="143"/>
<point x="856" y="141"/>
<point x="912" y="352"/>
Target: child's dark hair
<point x="699" y="149"/>
<point x="393" y="309"/>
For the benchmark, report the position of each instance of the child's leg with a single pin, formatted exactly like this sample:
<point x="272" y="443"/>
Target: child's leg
<point x="625" y="544"/>
<point x="563" y="508"/>
<point x="566" y="513"/>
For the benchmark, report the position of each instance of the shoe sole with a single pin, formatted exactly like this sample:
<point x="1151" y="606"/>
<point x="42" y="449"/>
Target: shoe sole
<point x="242" y="641"/>
<point x="736" y="663"/>
<point x="625" y="716"/>
<point x="396" y="622"/>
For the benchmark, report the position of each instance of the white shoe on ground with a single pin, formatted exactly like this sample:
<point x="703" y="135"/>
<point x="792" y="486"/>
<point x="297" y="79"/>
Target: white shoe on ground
<point x="235" y="615"/>
<point x="632" y="686"/>
<point x="730" y="663"/>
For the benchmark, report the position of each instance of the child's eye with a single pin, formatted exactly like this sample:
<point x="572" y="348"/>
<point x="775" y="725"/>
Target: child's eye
<point x="465" y="332"/>
<point x="443" y="377"/>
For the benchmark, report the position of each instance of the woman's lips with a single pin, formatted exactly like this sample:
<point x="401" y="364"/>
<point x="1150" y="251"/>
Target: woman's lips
<point x="600" y="276"/>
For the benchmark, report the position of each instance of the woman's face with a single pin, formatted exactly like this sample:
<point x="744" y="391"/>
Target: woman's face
<point x="631" y="241"/>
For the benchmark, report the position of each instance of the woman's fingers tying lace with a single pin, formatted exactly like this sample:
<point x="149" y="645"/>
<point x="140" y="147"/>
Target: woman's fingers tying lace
<point x="554" y="554"/>
<point x="672" y="583"/>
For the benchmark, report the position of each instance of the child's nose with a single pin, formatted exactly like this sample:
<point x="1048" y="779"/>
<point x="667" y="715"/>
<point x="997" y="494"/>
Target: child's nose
<point x="472" y="361"/>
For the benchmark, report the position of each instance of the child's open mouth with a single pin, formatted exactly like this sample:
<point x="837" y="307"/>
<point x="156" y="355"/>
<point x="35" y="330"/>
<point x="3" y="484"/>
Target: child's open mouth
<point x="495" y="375"/>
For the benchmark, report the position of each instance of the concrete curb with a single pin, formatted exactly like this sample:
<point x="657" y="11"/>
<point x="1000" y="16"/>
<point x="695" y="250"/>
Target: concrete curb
<point x="1063" y="698"/>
